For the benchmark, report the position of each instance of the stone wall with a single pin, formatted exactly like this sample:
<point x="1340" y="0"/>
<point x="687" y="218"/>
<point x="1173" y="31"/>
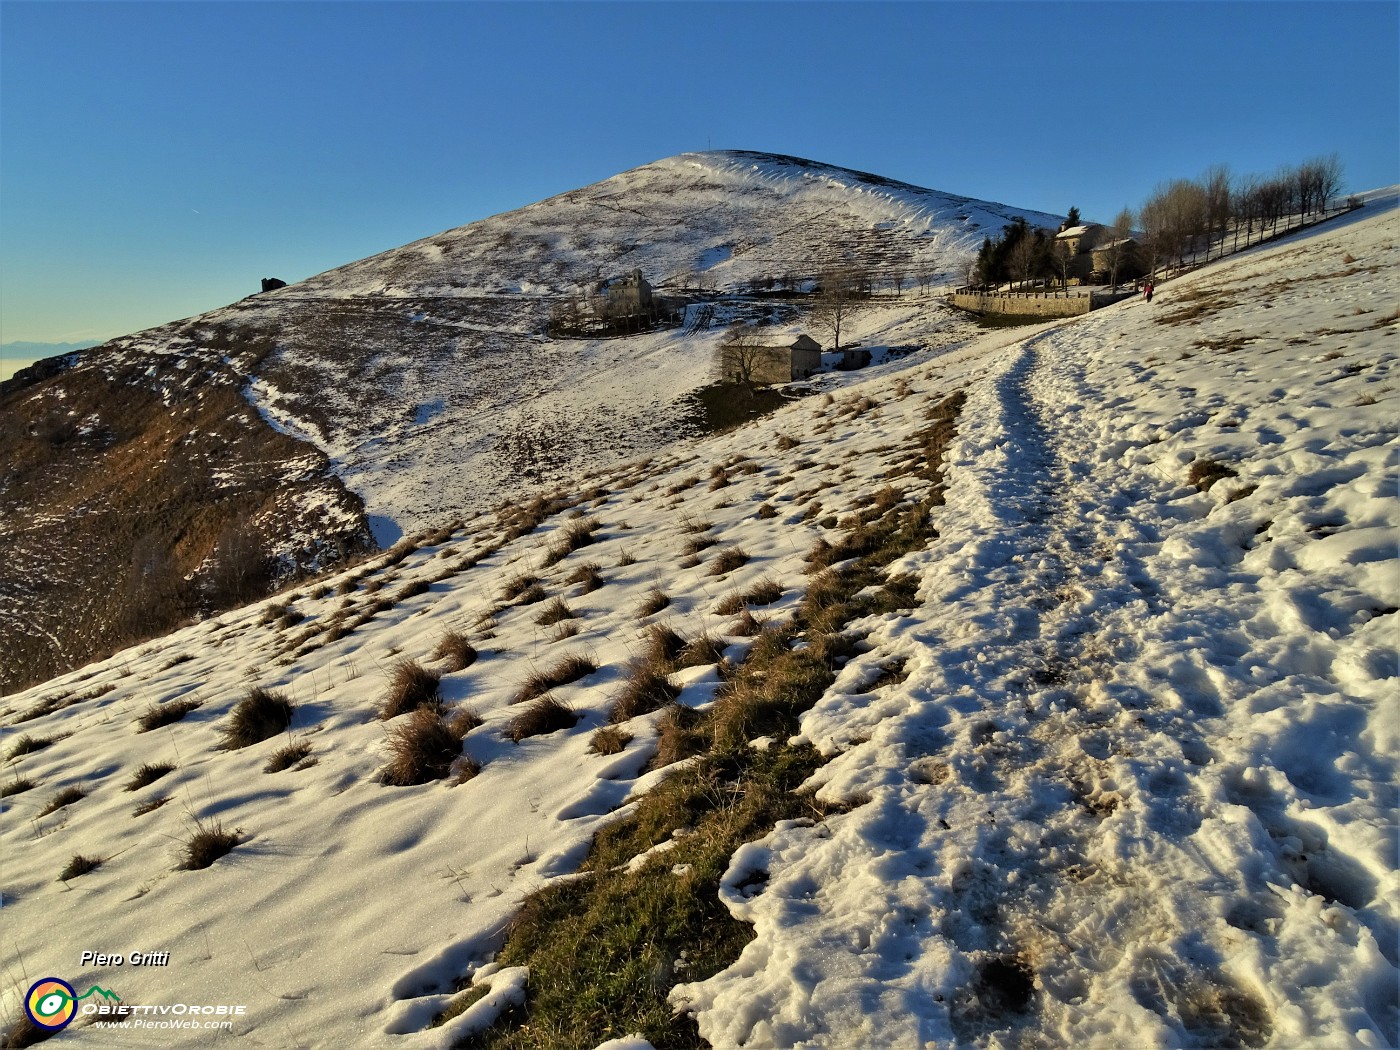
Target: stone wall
<point x="1032" y="304"/>
<point x="1023" y="305"/>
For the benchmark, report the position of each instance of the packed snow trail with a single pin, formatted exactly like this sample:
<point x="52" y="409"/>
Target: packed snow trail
<point x="1137" y="787"/>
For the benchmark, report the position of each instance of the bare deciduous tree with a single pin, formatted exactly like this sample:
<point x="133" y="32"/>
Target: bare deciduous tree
<point x="1062" y="260"/>
<point x="1116" y="248"/>
<point x="841" y="290"/>
<point x="741" y="351"/>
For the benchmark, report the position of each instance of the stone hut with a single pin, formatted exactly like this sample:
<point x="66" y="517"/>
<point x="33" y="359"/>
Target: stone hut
<point x="796" y="358"/>
<point x="1130" y="264"/>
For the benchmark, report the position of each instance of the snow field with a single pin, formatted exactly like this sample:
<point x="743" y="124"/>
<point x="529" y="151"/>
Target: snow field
<point x="353" y="907"/>
<point x="1126" y="776"/>
<point x="1139" y="786"/>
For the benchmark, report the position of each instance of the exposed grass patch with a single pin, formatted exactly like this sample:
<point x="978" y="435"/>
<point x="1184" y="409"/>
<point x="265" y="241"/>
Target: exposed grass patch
<point x="260" y="715"/>
<point x="421" y="749"/>
<point x="66" y="797"/>
<point x="724" y="406"/>
<point x="566" y="670"/>
<point x="609" y="740"/>
<point x="765" y="511"/>
<point x="603" y="950"/>
<point x="1206" y="472"/>
<point x="730" y="604"/>
<point x="647" y="689"/>
<point x="412" y="590"/>
<point x="706" y="649"/>
<point x="206" y="844"/>
<point x="411" y="686"/>
<point x="462" y="720"/>
<point x="459" y="1004"/>
<point x="79" y="865"/>
<point x="14" y="787"/>
<point x="765" y="592"/>
<point x="656" y="599"/>
<point x="564" y="631"/>
<point x="518" y="585"/>
<point x="288" y="756"/>
<point x="150" y="805"/>
<point x="546" y="714"/>
<point x="555" y="612"/>
<point x="457" y="650"/>
<point x="27" y="745"/>
<point x="158" y="715"/>
<point x="148" y="773"/>
<point x="587" y="577"/>
<point x="699" y="543"/>
<point x="747" y="625"/>
<point x="572" y="537"/>
<point x="728" y="560"/>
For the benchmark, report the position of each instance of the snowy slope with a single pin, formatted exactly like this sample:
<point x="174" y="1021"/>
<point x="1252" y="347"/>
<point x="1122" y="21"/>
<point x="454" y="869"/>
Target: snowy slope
<point x="424" y="381"/>
<point x="1138" y="786"/>
<point x="728" y="215"/>
<point x="424" y="374"/>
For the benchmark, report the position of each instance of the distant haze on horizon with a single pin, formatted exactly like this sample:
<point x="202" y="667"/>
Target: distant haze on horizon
<point x="236" y="146"/>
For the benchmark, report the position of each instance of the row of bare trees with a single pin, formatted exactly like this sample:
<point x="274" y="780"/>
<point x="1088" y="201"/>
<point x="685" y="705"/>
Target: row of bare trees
<point x="1194" y="215"/>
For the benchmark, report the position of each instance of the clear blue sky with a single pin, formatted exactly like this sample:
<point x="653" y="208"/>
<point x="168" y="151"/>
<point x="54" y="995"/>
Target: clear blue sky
<point x="157" y="159"/>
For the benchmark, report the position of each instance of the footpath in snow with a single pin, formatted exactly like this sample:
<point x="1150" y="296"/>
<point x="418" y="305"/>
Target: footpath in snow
<point x="1139" y="785"/>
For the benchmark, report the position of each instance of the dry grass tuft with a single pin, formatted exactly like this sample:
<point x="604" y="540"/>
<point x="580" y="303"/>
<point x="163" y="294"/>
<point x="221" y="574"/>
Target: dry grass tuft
<point x="421" y="748"/>
<point x="677" y="736"/>
<point x="158" y="715"/>
<point x="609" y="740"/>
<point x="27" y="745"/>
<point x="462" y="720"/>
<point x="699" y="543"/>
<point x="728" y="560"/>
<point x="150" y="805"/>
<point x="545" y="715"/>
<point x="206" y="844"/>
<point x="555" y="612"/>
<point x="654" y="602"/>
<point x="518" y="585"/>
<point x="14" y="787"/>
<point x="286" y="757"/>
<point x="1206" y="472"/>
<point x="148" y="773"/>
<point x="700" y="651"/>
<point x="66" y="797"/>
<point x="586" y="576"/>
<point x="261" y="714"/>
<point x="457" y="650"/>
<point x="647" y="689"/>
<point x="765" y="592"/>
<point x="411" y="686"/>
<point x="568" y="669"/>
<point x="79" y="865"/>
<point x="578" y="533"/>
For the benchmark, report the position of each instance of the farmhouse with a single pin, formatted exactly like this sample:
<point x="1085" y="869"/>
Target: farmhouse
<point x="794" y="358"/>
<point x="1092" y="250"/>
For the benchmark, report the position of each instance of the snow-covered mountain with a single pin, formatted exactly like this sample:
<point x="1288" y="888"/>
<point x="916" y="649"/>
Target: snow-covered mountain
<point x="425" y="373"/>
<point x="420" y="381"/>
<point x="1098" y="733"/>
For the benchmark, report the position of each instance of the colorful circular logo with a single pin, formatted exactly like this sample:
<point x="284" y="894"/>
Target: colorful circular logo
<point x="51" y="1003"/>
